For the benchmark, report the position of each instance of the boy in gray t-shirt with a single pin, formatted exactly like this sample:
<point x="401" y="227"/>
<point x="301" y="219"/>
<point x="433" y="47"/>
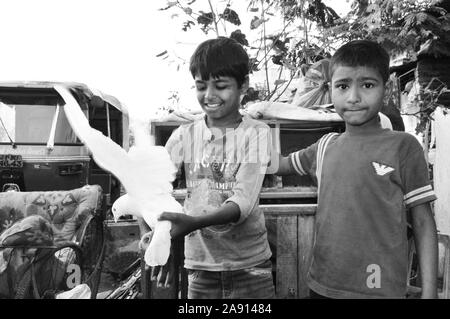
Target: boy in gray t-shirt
<point x="225" y="156"/>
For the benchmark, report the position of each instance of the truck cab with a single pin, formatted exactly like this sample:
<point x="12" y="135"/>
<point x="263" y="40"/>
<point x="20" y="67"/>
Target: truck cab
<point x="39" y="150"/>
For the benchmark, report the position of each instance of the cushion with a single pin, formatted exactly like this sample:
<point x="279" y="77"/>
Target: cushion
<point x="64" y="210"/>
<point x="29" y="231"/>
<point x="40" y="218"/>
<point x="12" y="206"/>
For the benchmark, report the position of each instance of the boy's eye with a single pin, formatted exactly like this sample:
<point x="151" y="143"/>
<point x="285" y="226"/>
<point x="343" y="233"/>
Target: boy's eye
<point x="368" y="85"/>
<point x="200" y="87"/>
<point x="341" y="86"/>
<point x="221" y="87"/>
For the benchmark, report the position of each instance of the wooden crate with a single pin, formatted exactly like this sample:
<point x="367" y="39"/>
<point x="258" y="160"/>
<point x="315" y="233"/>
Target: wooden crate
<point x="291" y="230"/>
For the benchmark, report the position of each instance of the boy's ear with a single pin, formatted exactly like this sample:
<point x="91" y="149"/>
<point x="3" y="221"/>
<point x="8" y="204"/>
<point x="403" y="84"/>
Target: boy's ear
<point x="245" y="85"/>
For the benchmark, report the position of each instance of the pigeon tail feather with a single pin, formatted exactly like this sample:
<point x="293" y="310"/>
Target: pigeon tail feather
<point x="158" y="251"/>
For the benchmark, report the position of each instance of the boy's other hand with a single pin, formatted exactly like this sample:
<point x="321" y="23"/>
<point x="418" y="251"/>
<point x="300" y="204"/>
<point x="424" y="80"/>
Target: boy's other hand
<point x="182" y="224"/>
<point x="163" y="274"/>
<point x="145" y="240"/>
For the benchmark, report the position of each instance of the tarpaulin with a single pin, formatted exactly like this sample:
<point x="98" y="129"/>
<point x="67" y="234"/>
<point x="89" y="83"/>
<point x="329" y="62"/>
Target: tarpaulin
<point x="315" y="86"/>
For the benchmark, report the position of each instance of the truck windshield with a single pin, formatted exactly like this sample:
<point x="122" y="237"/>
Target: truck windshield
<point x="32" y="124"/>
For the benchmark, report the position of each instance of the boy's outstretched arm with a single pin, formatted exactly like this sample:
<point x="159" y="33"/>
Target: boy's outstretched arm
<point x="284" y="166"/>
<point x="425" y="237"/>
<point x="183" y="224"/>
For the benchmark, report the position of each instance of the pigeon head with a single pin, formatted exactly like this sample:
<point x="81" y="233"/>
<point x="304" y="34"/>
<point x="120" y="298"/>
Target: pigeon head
<point x="119" y="207"/>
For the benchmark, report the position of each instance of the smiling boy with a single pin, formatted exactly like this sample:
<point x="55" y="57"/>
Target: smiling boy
<point x="225" y="156"/>
<point x="367" y="177"/>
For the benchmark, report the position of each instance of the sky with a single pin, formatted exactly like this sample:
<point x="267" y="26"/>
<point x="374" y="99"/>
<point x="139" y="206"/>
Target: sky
<point x="110" y="45"/>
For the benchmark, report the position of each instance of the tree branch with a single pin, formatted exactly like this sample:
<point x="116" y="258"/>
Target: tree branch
<point x="214" y="18"/>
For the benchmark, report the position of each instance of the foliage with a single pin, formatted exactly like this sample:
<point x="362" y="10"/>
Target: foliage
<point x="398" y="25"/>
<point x="284" y="49"/>
<point x="230" y="16"/>
<point x="314" y="10"/>
<point x="428" y="100"/>
<point x="412" y="27"/>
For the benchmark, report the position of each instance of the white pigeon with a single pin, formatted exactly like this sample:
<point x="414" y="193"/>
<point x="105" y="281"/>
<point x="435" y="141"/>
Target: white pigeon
<point x="146" y="172"/>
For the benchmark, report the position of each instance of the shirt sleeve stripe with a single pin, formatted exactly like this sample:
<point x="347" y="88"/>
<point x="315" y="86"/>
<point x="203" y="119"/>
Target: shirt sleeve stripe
<point x="417" y="191"/>
<point x="295" y="160"/>
<point x="430" y="194"/>
<point x="321" y="147"/>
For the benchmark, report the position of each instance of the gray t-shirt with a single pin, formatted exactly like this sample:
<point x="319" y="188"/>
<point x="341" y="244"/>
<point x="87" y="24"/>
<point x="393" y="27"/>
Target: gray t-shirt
<point x="222" y="167"/>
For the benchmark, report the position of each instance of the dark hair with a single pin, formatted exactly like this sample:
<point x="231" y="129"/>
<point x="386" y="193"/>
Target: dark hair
<point x="362" y="53"/>
<point x="220" y="57"/>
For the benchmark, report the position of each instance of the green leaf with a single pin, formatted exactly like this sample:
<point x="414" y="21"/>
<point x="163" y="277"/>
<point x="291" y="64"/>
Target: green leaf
<point x="187" y="25"/>
<point x="279" y="81"/>
<point x="170" y="4"/>
<point x="239" y="37"/>
<point x="256" y="22"/>
<point x="372" y="8"/>
<point x="161" y="54"/>
<point x="230" y="16"/>
<point x="205" y="18"/>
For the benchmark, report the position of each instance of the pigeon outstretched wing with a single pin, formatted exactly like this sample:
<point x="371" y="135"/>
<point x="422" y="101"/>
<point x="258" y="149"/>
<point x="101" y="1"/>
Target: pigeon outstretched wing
<point x="144" y="170"/>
